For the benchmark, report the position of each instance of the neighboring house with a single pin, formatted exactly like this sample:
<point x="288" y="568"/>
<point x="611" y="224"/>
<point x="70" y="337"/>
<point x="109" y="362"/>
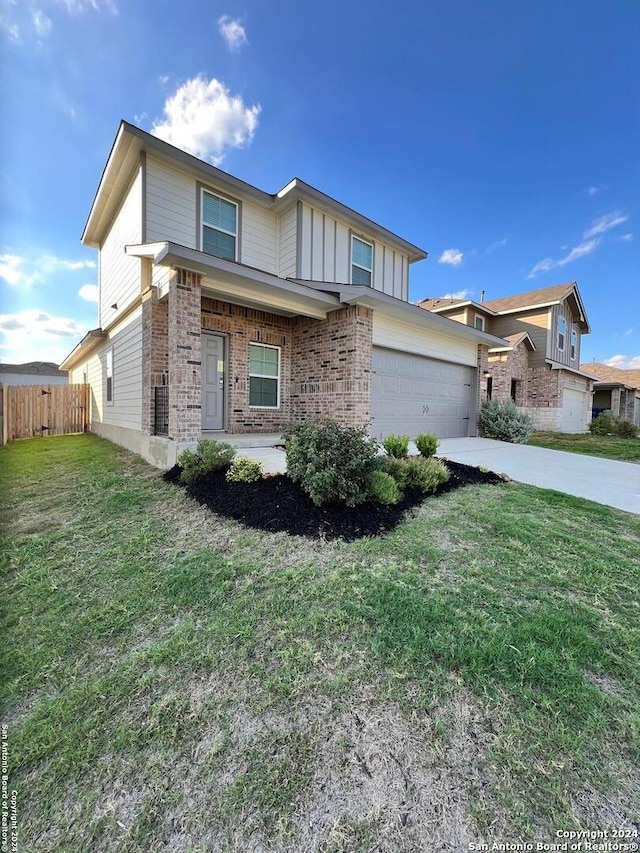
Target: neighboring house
<point x="226" y="309"/>
<point x="33" y="373"/>
<point x="615" y="389"/>
<point x="539" y="367"/>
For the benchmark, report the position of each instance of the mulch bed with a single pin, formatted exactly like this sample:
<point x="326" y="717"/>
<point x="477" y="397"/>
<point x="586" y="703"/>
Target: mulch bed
<point x="276" y="503"/>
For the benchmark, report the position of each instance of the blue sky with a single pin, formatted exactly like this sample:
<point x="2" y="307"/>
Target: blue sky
<point x="502" y="137"/>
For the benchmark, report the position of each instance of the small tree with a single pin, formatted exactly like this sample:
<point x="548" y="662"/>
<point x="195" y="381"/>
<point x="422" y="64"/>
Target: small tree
<point x="504" y="422"/>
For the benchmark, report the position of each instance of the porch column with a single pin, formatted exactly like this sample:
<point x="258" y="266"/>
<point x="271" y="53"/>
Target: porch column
<point x="155" y="360"/>
<point x="483" y="367"/>
<point x="185" y="388"/>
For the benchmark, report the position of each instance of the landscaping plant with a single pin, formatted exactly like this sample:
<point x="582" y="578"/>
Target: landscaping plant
<point x="604" y="424"/>
<point x="244" y="470"/>
<point x="332" y="463"/>
<point x="504" y="422"/>
<point x="427" y="443"/>
<point x="626" y="429"/>
<point x="397" y="446"/>
<point x="383" y="488"/>
<point x="425" y="474"/>
<point x="207" y="457"/>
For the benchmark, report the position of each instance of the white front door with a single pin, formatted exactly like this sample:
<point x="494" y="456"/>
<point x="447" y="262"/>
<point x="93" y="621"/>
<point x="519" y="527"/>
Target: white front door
<point x="213" y="379"/>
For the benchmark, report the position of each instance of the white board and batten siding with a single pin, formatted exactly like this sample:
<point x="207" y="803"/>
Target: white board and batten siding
<point x="288" y="242"/>
<point x="126" y="408"/>
<point x="171" y="214"/>
<point x="325" y="254"/>
<point x="396" y="335"/>
<point x="119" y="272"/>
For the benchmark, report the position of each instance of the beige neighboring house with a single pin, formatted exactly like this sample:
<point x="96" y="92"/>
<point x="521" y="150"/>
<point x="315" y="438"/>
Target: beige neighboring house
<point x="615" y="389"/>
<point x="33" y="373"/>
<point x="225" y="310"/>
<point x="538" y="366"/>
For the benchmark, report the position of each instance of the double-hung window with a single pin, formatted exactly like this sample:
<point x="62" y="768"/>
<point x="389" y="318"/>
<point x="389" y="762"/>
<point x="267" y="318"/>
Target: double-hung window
<point x="109" y="388"/>
<point x="361" y="261"/>
<point x="219" y="226"/>
<point x="562" y="332"/>
<point x="479" y="322"/>
<point x="264" y="376"/>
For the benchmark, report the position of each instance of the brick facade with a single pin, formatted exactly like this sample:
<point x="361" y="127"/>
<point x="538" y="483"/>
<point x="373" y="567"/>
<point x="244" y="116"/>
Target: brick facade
<point x="508" y="366"/>
<point x="185" y="387"/>
<point x="155" y="353"/>
<point x="483" y="368"/>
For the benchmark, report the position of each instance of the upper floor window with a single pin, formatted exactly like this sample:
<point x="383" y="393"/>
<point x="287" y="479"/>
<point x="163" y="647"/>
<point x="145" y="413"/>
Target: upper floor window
<point x="574" y="344"/>
<point x="361" y="261"/>
<point x="562" y="332"/>
<point x="219" y="226"/>
<point x="109" y="388"/>
<point x="479" y="322"/>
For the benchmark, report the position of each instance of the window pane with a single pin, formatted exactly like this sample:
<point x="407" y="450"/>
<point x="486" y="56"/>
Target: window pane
<point x="361" y="253"/>
<point x="218" y="212"/>
<point x="218" y="244"/>
<point x="263" y="392"/>
<point x="480" y="323"/>
<point x="263" y="360"/>
<point x="360" y="276"/>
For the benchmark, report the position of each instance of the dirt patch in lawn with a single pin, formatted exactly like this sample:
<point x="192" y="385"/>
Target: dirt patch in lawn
<point x="278" y="504"/>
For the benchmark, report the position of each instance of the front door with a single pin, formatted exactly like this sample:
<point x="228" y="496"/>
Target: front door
<point x="213" y="377"/>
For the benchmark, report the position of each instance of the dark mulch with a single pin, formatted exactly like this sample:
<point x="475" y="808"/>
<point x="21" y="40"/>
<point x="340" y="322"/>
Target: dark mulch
<point x="278" y="504"/>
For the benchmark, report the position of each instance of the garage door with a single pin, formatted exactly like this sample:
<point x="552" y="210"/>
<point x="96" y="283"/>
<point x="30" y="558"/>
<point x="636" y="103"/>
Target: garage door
<point x="412" y="394"/>
<point x="575" y="410"/>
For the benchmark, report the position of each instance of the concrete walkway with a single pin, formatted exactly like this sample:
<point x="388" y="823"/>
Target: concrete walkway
<point x="604" y="481"/>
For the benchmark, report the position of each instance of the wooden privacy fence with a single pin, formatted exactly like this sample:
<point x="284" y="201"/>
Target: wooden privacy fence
<point x="36" y="410"/>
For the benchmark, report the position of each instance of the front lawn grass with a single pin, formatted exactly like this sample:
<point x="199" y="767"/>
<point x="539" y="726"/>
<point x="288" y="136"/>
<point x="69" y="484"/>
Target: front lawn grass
<point x="174" y="680"/>
<point x="607" y="446"/>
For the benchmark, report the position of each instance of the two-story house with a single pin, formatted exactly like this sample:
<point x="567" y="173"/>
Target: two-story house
<point x="224" y="309"/>
<point x="539" y="365"/>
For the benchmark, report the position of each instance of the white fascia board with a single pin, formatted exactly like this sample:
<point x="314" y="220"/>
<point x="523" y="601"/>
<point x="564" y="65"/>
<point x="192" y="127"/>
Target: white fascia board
<point x="554" y="365"/>
<point x="86" y="345"/>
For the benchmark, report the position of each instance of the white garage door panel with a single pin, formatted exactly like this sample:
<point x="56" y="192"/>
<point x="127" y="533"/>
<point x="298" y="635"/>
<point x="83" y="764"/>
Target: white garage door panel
<point x="412" y="394"/>
<point x="575" y="410"/>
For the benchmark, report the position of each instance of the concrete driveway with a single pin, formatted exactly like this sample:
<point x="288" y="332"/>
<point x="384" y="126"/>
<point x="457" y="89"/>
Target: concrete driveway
<point x="604" y="481"/>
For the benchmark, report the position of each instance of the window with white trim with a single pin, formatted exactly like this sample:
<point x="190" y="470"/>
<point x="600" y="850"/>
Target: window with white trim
<point x="574" y="344"/>
<point x="264" y="376"/>
<point x="361" y="261"/>
<point x="479" y="322"/>
<point x="109" y="388"/>
<point x="562" y="332"/>
<point x="219" y="226"/>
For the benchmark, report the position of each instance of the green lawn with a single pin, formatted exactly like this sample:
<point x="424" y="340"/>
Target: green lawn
<point x="608" y="446"/>
<point x="175" y="681"/>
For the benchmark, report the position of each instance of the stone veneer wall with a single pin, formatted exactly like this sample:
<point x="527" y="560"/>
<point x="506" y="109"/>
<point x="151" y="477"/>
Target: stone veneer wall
<point x="185" y="386"/>
<point x="331" y="367"/>
<point x="504" y="367"/>
<point x="155" y="353"/>
<point x="244" y="326"/>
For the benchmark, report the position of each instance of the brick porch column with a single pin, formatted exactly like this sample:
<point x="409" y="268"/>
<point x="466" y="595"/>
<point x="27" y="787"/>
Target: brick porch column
<point x="185" y="387"/>
<point x="483" y="365"/>
<point x="155" y="359"/>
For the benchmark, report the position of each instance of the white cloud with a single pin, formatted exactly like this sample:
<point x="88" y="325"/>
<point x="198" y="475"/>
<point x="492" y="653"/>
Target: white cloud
<point x="232" y="32"/>
<point x="164" y="79"/>
<point x="580" y="251"/>
<point x="74" y="7"/>
<point x="629" y="332"/>
<point x="452" y="257"/>
<point x="16" y="270"/>
<point x="41" y="23"/>
<point x="626" y="238"/>
<point x="624" y="362"/>
<point x="204" y="119"/>
<point x="458" y="294"/>
<point x="36" y="336"/>
<point x="497" y="245"/>
<point x="593" y="190"/>
<point x="605" y="223"/>
<point x="89" y="292"/>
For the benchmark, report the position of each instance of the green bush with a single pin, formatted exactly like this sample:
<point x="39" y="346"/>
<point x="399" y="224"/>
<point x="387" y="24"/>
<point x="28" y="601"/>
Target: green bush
<point x="207" y="457"/>
<point x="626" y="429"/>
<point x="427" y="443"/>
<point x="397" y="446"/>
<point x="331" y="463"/>
<point x="504" y="422"/>
<point x="383" y="488"/>
<point x="244" y="470"/>
<point x="426" y="474"/>
<point x="396" y="468"/>
<point x="605" y="424"/>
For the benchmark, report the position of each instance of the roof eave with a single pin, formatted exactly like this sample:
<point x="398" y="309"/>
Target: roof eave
<point x="83" y="348"/>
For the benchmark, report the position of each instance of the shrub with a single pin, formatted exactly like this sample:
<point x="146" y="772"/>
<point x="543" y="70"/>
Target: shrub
<point x="331" y="463"/>
<point x="426" y="474"/>
<point x="207" y="457"/>
<point x="605" y="424"/>
<point x="383" y="488"/>
<point x="244" y="470"/>
<point x="427" y="443"/>
<point x="396" y="468"/>
<point x="626" y="429"/>
<point x="397" y="446"/>
<point x="504" y="422"/>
